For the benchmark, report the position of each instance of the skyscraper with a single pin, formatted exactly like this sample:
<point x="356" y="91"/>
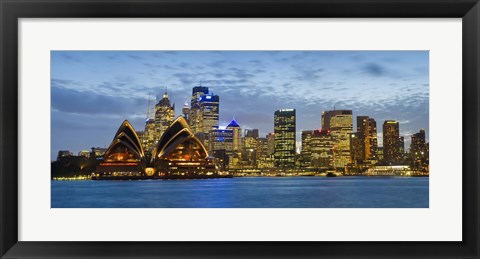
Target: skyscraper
<point x="340" y="124"/>
<point x="391" y="141"/>
<point x="284" y="129"/>
<point x="236" y="142"/>
<point x="164" y="115"/>
<point x="222" y="139"/>
<point x="321" y="146"/>
<point x="419" y="148"/>
<point x="250" y="146"/>
<point x="204" y="113"/>
<point x="365" y="139"/>
<point x="186" y="111"/>
<point x="306" y="153"/>
<point x="149" y="139"/>
<point x="196" y="122"/>
<point x="357" y="146"/>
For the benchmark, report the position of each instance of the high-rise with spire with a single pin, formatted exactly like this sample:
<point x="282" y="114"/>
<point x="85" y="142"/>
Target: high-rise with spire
<point x="164" y="115"/>
<point x="148" y="139"/>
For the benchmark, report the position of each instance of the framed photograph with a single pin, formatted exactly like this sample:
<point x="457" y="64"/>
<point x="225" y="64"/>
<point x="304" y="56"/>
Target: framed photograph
<point x="323" y="129"/>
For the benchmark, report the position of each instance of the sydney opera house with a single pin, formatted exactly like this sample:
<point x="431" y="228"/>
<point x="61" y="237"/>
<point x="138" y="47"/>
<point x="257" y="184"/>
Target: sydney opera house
<point x="178" y="154"/>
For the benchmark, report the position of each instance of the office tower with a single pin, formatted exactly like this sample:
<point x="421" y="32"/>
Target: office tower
<point x="236" y="143"/>
<point x="149" y="138"/>
<point x="185" y="111"/>
<point x="222" y="139"/>
<point x="401" y="145"/>
<point x="419" y="147"/>
<point x="340" y="124"/>
<point x="366" y="139"/>
<point x="391" y="141"/>
<point x="284" y="129"/>
<point x="250" y="146"/>
<point x="327" y="117"/>
<point x="271" y="143"/>
<point x="321" y="147"/>
<point x="196" y="123"/>
<point x="164" y="116"/>
<point x="237" y="135"/>
<point x="204" y="113"/>
<point x="371" y="151"/>
<point x="357" y="148"/>
<point x="306" y="153"/>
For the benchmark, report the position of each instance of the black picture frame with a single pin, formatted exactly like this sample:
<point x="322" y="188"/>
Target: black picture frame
<point x="12" y="10"/>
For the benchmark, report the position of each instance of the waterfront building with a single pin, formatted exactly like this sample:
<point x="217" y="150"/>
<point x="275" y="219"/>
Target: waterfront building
<point x="84" y="153"/>
<point x="321" y="148"/>
<point x="340" y="124"/>
<point x="306" y="153"/>
<point x="164" y="115"/>
<point x="419" y="148"/>
<point x="124" y="157"/>
<point x="64" y="153"/>
<point x="180" y="154"/>
<point x="285" y="139"/>
<point x="380" y="153"/>
<point x="391" y="141"/>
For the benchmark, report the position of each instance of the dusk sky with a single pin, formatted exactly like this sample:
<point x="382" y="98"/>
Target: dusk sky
<point x="93" y="92"/>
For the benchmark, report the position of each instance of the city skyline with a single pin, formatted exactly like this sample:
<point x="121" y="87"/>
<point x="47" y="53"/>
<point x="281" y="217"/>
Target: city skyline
<point x="92" y="92"/>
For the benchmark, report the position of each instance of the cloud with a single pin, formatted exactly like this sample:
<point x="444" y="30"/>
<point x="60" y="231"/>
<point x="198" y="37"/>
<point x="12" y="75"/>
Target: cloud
<point x="73" y="101"/>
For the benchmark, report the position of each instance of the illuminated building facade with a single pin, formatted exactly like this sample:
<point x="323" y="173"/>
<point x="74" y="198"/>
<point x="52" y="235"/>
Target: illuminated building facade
<point x="180" y="154"/>
<point x="149" y="134"/>
<point x="284" y="130"/>
<point x="164" y="114"/>
<point x="196" y="118"/>
<point x="419" y="151"/>
<point x="204" y="113"/>
<point x="357" y="154"/>
<point x="306" y="153"/>
<point x="391" y="141"/>
<point x="185" y="111"/>
<point x="321" y="148"/>
<point x="340" y="124"/>
<point x="124" y="157"/>
<point x="222" y="139"/>
<point x="237" y="143"/>
<point x="271" y="143"/>
<point x="250" y="152"/>
<point x="64" y="153"/>
<point x="364" y="141"/>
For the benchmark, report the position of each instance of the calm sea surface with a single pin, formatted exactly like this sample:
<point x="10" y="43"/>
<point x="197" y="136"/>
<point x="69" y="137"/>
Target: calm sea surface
<point x="255" y="192"/>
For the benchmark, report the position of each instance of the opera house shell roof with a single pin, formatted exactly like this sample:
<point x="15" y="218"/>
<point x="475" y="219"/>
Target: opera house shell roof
<point x="179" y="152"/>
<point x="125" y="153"/>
